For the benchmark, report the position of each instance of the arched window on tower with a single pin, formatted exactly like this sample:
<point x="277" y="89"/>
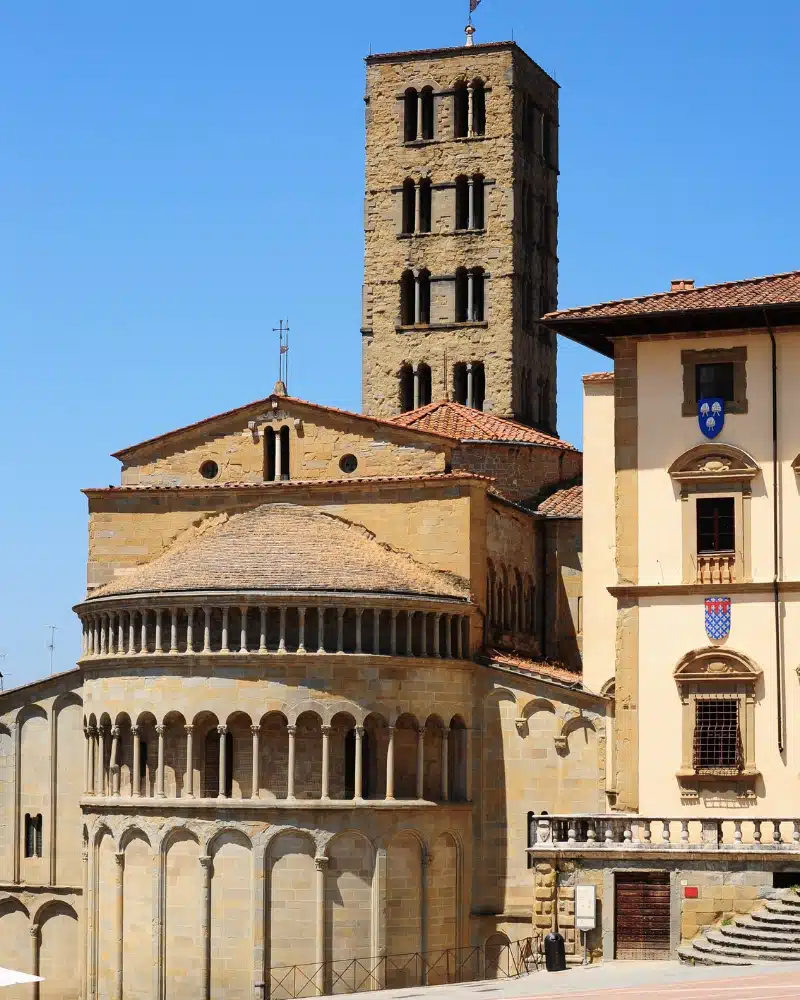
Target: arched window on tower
<point x="460" y="383"/>
<point x="470" y="298"/>
<point x="478" y="108"/>
<point x="477" y="311"/>
<point x="462" y="203"/>
<point x="478" y="216"/>
<point x="469" y="384"/>
<point x="405" y="381"/>
<point x="423" y="378"/>
<point x="284" y="446"/>
<point x="425" y="205"/>
<point x="427" y="123"/>
<point x="478" y="385"/>
<point x="424" y="297"/>
<point x="407" y="298"/>
<point x="461" y="295"/>
<point x="460" y="110"/>
<point x="269" y="454"/>
<point x="410" y="108"/>
<point x="409" y="205"/>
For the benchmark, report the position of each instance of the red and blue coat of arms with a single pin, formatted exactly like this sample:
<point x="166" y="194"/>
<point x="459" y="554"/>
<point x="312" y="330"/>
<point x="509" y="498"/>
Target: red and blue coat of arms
<point x="718" y="617"/>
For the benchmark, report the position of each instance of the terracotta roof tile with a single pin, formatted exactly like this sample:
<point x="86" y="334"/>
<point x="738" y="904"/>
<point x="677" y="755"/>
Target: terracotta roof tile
<point x="563" y="503"/>
<point x="454" y="420"/>
<point x="284" y="547"/>
<point x="774" y="289"/>
<point x="599" y="377"/>
<point x="286" y="484"/>
<point x="540" y="668"/>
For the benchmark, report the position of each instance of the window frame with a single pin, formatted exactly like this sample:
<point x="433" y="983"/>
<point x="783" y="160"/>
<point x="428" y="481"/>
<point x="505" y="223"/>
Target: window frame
<point x="690" y="359"/>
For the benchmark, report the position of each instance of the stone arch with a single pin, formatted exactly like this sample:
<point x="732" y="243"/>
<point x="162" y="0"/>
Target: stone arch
<point x="137" y="889"/>
<point x="182" y="907"/>
<point x="496" y="957"/>
<point x="308" y="753"/>
<point x="291" y="870"/>
<point x="342" y="753"/>
<point x="174" y="723"/>
<point x="714" y="462"/>
<point x="240" y="745"/>
<point x="133" y="832"/>
<point x="531" y="708"/>
<point x="14" y="933"/>
<point x="434" y="762"/>
<point x="231" y="926"/>
<point x="58" y="948"/>
<point x="609" y="689"/>
<point x="50" y="907"/>
<point x="28" y="712"/>
<point x="405" y="854"/>
<point x="406" y="728"/>
<point x="348" y="896"/>
<point x="444" y="879"/>
<point x="65" y="699"/>
<point x="274" y="755"/>
<point x="571" y="724"/>
<point x="711" y="662"/>
<point x="375" y="742"/>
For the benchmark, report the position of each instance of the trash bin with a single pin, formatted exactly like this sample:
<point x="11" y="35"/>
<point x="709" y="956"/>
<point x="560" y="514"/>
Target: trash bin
<point x="555" y="958"/>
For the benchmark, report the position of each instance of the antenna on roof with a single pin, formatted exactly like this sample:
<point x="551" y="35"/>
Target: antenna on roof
<point x="282" y="329"/>
<point x="3" y="660"/>
<point x="52" y="644"/>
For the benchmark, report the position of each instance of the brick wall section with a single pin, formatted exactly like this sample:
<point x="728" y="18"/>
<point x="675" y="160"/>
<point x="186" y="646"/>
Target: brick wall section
<point x="520" y="472"/>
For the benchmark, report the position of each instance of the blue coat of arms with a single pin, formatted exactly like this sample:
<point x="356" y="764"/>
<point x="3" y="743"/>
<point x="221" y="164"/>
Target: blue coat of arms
<point x="711" y="415"/>
<point x="718" y="617"/>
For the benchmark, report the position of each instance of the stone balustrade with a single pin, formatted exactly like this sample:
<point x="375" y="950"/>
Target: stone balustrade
<point x="717" y="568"/>
<point x="612" y="831"/>
<point x="225" y="628"/>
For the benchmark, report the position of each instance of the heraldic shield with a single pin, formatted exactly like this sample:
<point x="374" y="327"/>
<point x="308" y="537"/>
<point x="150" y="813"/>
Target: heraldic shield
<point x="718" y="617"/>
<point x="711" y="415"/>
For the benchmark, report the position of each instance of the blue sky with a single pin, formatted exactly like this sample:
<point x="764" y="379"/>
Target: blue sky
<point x="175" y="177"/>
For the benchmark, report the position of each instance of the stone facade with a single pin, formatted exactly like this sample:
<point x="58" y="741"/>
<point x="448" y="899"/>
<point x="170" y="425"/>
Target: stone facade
<point x="515" y="160"/>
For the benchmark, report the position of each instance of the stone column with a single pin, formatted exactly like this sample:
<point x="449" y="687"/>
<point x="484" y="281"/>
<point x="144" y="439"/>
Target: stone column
<point x="471" y="216"/>
<point x="416" y="370"/>
<point x="321" y="865"/>
<point x="103" y="634"/>
<point x="88" y="787"/>
<point x="471" y="111"/>
<point x="173" y="630"/>
<point x="468" y="762"/>
<point x="291" y="730"/>
<point x="120" y="632"/>
<point x="326" y="762"/>
<point x="390" y="765"/>
<point x="282" y="637"/>
<point x="278" y="457"/>
<point x="423" y="633"/>
<point x="421" y="763"/>
<point x="262" y="638"/>
<point x="159" y="646"/>
<point x="188" y="784"/>
<point x="445" y="764"/>
<point x="35" y="941"/>
<point x="119" y="903"/>
<point x="417" y="208"/>
<point x="426" y="862"/>
<point x="160" y="772"/>
<point x="409" y="635"/>
<point x="417" y="319"/>
<point x="358" y="770"/>
<point x="458" y="636"/>
<point x="190" y="630"/>
<point x="143" y="637"/>
<point x="101" y="761"/>
<point x="321" y="629"/>
<point x="225" y="618"/>
<point x="376" y="631"/>
<point x="393" y="634"/>
<point x="205" y="929"/>
<point x="340" y="630"/>
<point x="137" y="761"/>
<point x="437" y="635"/>
<point x="359" y="613"/>
<point x="112" y="634"/>
<point x="83" y="935"/>
<point x="114" y="765"/>
<point x="419" y="134"/>
<point x="470" y="296"/>
<point x="206" y="630"/>
<point x="256" y="732"/>
<point x="448" y="636"/>
<point x="222" y="730"/>
<point x="131" y="633"/>
<point x="301" y="627"/>
<point x="243" y="631"/>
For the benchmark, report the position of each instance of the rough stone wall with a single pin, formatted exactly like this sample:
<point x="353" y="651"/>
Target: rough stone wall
<point x="501" y="342"/>
<point x="520" y="472"/>
<point x="317" y="443"/>
<point x="561" y="602"/>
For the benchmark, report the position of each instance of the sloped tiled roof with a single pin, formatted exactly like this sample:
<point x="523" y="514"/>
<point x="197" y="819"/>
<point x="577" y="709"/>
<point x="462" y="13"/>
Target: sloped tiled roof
<point x="774" y="289"/>
<point x="538" y="668"/>
<point x="599" y="377"/>
<point x="454" y="420"/>
<point x="285" y="547"/>
<point x="563" y="503"/>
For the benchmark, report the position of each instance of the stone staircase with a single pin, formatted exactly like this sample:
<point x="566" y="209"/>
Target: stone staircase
<point x="771" y="934"/>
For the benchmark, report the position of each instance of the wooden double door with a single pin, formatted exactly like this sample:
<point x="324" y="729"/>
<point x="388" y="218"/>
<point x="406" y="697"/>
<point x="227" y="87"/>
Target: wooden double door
<point x="641" y="915"/>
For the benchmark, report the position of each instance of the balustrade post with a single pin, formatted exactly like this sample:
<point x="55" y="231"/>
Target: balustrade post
<point x="340" y="630"/>
<point x="222" y="791"/>
<point x="358" y="781"/>
<point x="243" y="630"/>
<point x="572" y="832"/>
<point x="189" y="781"/>
<point x="737" y="832"/>
<point x="796" y="833"/>
<point x="282" y="632"/>
<point x="359" y="613"/>
<point x="376" y="631"/>
<point x="647" y="832"/>
<point x="390" y="765"/>
<point x="665" y="831"/>
<point x="608" y="836"/>
<point x="225" y="620"/>
<point x="321" y="629"/>
<point x="206" y="630"/>
<point x="776" y="832"/>
<point x="757" y="831"/>
<point x="256" y="733"/>
<point x="393" y="634"/>
<point x="190" y="630"/>
<point x="445" y="764"/>
<point x="301" y="630"/>
<point x="137" y="762"/>
<point x="684" y="831"/>
<point x="421" y="762"/>
<point x="262" y="637"/>
<point x="291" y="730"/>
<point x="326" y="762"/>
<point x="160" y="773"/>
<point x="591" y="833"/>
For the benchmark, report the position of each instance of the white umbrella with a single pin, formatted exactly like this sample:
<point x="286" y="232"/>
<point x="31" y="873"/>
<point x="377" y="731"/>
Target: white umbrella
<point x="10" y="978"/>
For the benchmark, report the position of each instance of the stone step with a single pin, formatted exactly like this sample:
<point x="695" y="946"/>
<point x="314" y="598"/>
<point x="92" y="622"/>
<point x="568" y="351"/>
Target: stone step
<point x="775" y="910"/>
<point x="757" y="943"/>
<point x="712" y="948"/>
<point x="749" y="929"/>
<point x="689" y="955"/>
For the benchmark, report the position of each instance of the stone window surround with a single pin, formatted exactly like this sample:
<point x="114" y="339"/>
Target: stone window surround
<point x="714" y="673"/>
<point x="709" y="471"/>
<point x="437" y="92"/>
<point x="718" y="355"/>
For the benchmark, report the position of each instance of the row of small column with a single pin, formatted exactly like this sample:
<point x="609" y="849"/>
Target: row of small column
<point x="106" y="634"/>
<point x="95" y="751"/>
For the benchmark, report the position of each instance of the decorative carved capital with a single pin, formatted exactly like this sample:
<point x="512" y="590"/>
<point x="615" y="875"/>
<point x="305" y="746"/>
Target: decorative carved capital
<point x="85" y="855"/>
<point x="427" y="860"/>
<point x="291" y="729"/>
<point x="255" y="730"/>
<point x="326" y="730"/>
<point x="115" y="731"/>
<point x="359" y="730"/>
<point x="34" y="930"/>
<point x="321" y="863"/>
<point x="222" y="730"/>
<point x="562" y="744"/>
<point x="135" y="730"/>
<point x="522" y="726"/>
<point x="119" y="858"/>
<point x="188" y="730"/>
<point x="160" y="730"/>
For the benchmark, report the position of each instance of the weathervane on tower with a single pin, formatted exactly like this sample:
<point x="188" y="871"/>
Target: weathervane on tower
<point x="470" y="29"/>
<point x="282" y="329"/>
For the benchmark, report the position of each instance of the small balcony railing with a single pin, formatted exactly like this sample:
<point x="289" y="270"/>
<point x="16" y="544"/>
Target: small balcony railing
<point x="612" y="831"/>
<point x="716" y="568"/>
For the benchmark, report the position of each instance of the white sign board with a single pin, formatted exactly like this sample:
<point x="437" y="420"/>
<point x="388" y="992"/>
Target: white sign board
<point x="585" y="907"/>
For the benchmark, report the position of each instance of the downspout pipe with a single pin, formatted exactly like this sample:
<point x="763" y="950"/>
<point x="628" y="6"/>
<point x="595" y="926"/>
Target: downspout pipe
<point x="776" y="600"/>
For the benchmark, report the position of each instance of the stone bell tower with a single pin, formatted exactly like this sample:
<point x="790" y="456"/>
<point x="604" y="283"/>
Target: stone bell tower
<point x="460" y="218"/>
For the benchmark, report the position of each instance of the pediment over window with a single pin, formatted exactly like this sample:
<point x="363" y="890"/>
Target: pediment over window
<point x="713" y="665"/>
<point x="714" y="464"/>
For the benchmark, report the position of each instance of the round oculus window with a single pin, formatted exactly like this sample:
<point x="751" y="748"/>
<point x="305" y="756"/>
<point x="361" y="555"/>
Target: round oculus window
<point x="348" y="463"/>
<point x="209" y="470"/>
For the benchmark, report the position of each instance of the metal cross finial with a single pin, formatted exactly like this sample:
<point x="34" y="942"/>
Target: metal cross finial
<point x="282" y="329"/>
<point x="52" y="644"/>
